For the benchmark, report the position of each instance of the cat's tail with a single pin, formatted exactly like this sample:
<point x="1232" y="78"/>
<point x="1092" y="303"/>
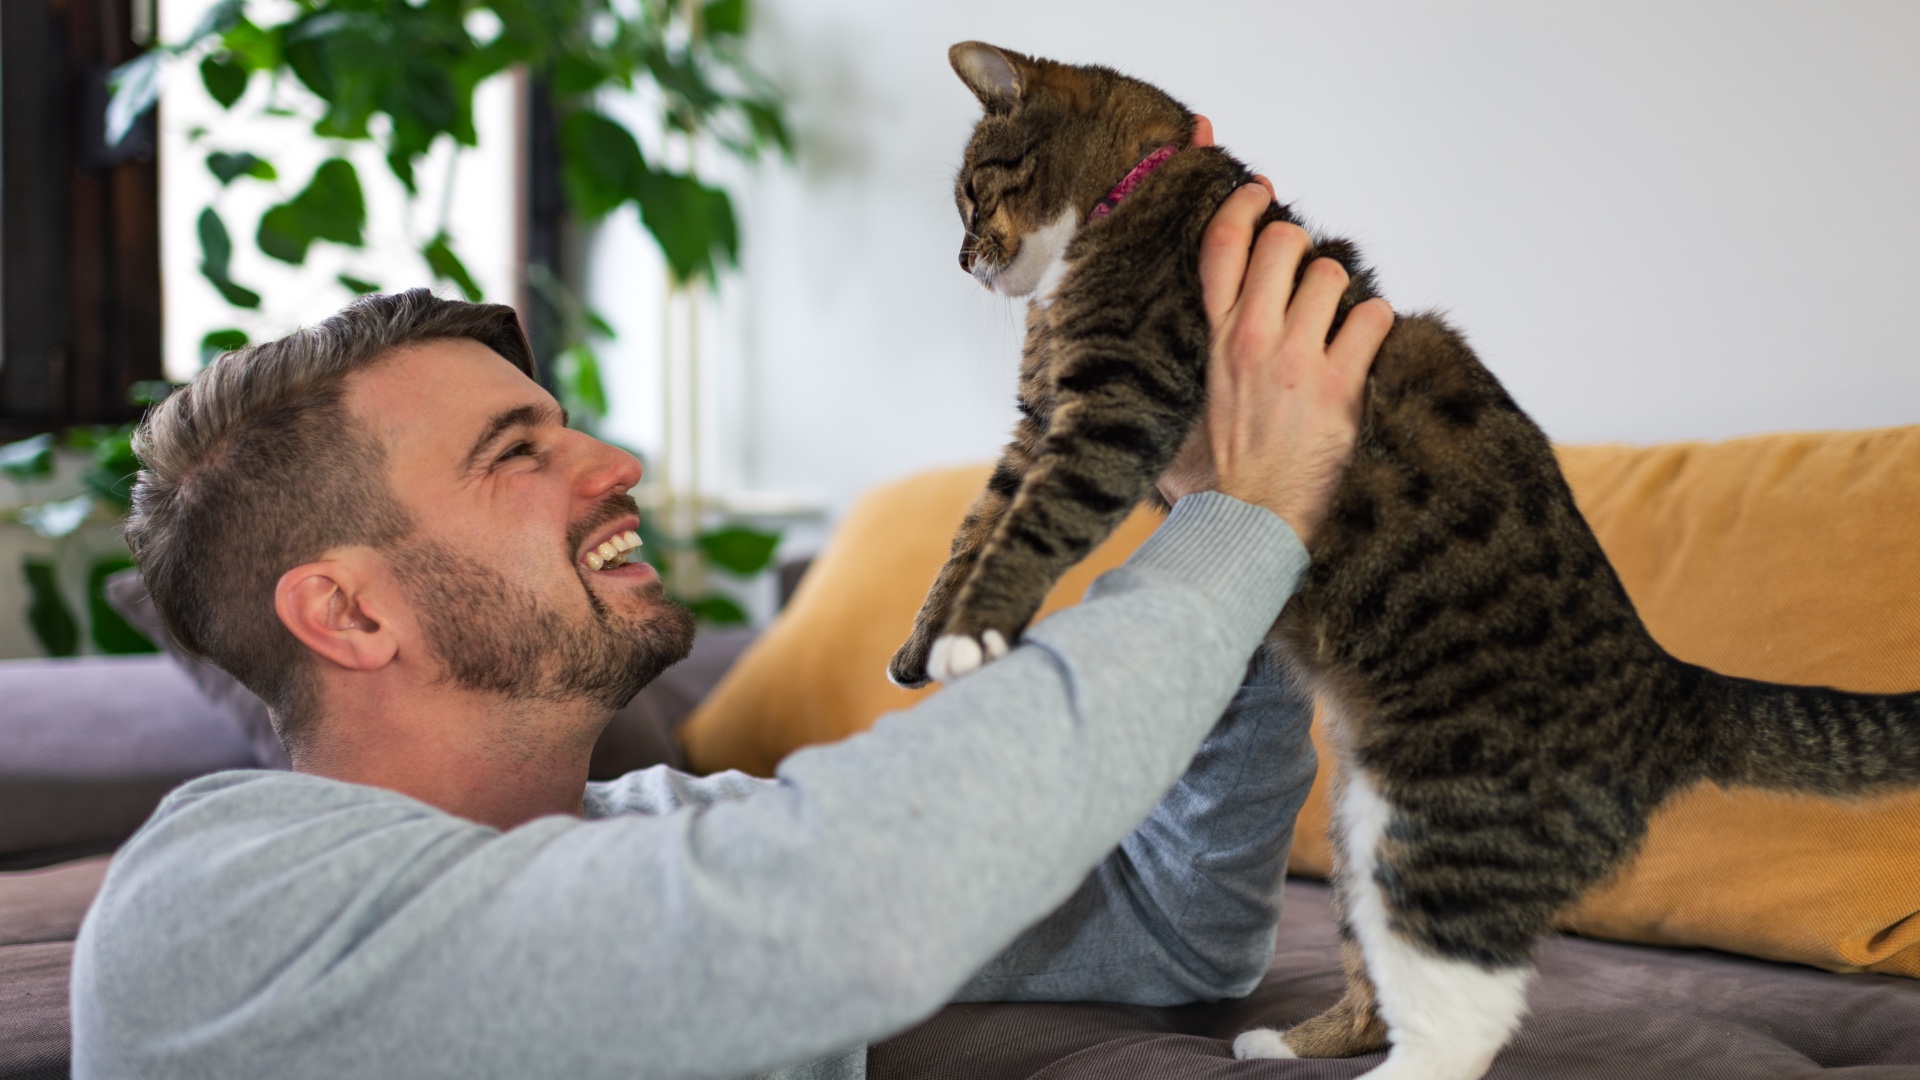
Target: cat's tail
<point x="1810" y="738"/>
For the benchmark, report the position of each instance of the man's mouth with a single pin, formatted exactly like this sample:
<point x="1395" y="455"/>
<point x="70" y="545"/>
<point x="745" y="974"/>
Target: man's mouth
<point x="613" y="551"/>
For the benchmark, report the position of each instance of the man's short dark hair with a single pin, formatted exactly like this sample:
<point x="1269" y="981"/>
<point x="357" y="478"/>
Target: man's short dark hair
<point x="255" y="468"/>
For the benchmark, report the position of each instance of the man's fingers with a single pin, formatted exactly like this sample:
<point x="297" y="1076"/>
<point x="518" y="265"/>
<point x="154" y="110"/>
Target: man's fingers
<point x="1202" y="131"/>
<point x="1316" y="301"/>
<point x="1223" y="250"/>
<point x="1360" y="336"/>
<point x="1269" y="283"/>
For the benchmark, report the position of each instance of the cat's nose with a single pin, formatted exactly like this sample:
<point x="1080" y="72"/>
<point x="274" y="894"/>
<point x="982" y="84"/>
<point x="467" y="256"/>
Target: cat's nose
<point x="966" y="259"/>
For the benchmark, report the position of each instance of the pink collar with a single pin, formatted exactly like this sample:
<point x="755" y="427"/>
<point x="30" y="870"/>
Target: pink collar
<point x="1130" y="181"/>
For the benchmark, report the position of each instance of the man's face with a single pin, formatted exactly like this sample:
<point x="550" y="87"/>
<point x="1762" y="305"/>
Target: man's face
<point x="509" y="503"/>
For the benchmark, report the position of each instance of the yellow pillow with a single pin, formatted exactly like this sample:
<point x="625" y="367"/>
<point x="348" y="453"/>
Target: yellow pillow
<point x="1791" y="557"/>
<point x="819" y="673"/>
<point x="1794" y="558"/>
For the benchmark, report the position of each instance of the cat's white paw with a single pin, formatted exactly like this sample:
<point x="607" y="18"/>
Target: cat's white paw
<point x="955" y="655"/>
<point x="1261" y="1043"/>
<point x="995" y="645"/>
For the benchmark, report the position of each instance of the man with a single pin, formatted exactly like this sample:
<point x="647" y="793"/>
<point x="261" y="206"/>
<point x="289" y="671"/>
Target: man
<point x="383" y="527"/>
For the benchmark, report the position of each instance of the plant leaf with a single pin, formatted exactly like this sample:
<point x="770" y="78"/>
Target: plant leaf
<point x="115" y="468"/>
<point x="257" y="48"/>
<point x="224" y="77"/>
<point x="725" y="17"/>
<point x="577" y="376"/>
<point x="150" y="392"/>
<point x="331" y="207"/>
<point x="600" y="164"/>
<point x="216" y="254"/>
<point x="219" y="19"/>
<point x="717" y="610"/>
<point x="447" y="266"/>
<point x="689" y="220"/>
<point x="54" y="520"/>
<point x="28" y="459"/>
<point x="357" y="286"/>
<point x="220" y="341"/>
<point x="738" y="549"/>
<point x="52" y="620"/>
<point x="136" y="86"/>
<point x="111" y="634"/>
<point x="227" y="168"/>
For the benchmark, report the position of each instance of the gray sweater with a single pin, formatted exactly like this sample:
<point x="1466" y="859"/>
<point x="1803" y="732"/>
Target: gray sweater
<point x="1027" y="834"/>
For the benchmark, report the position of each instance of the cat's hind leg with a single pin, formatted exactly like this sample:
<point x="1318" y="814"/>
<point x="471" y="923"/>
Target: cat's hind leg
<point x="1352" y="1026"/>
<point x="1446" y="1016"/>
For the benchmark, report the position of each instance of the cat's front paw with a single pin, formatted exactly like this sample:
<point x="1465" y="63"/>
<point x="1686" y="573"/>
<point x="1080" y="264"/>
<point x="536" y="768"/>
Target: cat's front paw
<point x="1261" y="1043"/>
<point x="908" y="668"/>
<point x="955" y="655"/>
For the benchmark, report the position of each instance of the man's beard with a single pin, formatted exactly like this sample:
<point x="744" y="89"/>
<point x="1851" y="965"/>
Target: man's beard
<point x="496" y="636"/>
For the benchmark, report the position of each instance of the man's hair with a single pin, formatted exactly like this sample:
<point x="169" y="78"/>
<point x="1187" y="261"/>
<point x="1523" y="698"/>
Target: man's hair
<point x="256" y="467"/>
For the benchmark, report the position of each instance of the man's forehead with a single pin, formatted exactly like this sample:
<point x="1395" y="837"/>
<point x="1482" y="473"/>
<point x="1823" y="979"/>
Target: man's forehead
<point x="437" y="396"/>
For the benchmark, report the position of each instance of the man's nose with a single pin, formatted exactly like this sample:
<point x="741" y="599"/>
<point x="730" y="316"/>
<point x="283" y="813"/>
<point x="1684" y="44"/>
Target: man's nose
<point x="606" y="468"/>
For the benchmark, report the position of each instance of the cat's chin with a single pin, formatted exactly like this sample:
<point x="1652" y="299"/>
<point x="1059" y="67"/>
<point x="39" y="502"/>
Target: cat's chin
<point x="1039" y="265"/>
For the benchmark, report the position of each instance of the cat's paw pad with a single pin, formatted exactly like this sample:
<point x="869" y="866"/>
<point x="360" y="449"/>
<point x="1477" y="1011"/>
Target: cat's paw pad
<point x="1261" y="1043"/>
<point x="955" y="655"/>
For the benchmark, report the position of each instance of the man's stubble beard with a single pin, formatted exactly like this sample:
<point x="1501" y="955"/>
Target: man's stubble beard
<point x="497" y="636"/>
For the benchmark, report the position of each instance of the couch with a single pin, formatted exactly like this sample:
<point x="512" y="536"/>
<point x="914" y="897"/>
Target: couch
<point x="1787" y="557"/>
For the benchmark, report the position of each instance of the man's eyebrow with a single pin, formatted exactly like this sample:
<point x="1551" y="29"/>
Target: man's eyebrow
<point x="508" y="419"/>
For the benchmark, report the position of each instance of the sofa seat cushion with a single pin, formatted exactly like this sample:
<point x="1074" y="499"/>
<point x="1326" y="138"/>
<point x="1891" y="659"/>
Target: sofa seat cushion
<point x="40" y="913"/>
<point x="89" y="745"/>
<point x="1598" y="1011"/>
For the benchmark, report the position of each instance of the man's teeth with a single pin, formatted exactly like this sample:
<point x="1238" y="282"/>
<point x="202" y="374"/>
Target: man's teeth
<point x="614" y="551"/>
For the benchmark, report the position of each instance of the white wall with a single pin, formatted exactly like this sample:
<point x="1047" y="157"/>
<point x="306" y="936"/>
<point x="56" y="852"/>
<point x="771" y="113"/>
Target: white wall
<point x="1655" y="221"/>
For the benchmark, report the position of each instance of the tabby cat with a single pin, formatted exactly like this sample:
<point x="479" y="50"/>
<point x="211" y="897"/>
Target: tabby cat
<point x="1506" y="724"/>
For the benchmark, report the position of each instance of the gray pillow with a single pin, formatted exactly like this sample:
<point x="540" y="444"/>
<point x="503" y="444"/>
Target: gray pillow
<point x="128" y="595"/>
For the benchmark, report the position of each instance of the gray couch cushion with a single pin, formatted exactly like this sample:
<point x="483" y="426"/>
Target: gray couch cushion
<point x="40" y="913"/>
<point x="89" y="745"/>
<point x="1599" y="1011"/>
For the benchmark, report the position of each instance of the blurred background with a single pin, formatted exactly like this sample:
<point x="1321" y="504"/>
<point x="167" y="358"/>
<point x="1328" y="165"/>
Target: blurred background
<point x="729" y="226"/>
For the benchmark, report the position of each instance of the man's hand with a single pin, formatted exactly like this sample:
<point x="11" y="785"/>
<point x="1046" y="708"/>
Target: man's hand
<point x="1283" y="406"/>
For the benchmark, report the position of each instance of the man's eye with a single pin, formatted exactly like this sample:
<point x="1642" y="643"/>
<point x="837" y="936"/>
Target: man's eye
<point x="519" y="449"/>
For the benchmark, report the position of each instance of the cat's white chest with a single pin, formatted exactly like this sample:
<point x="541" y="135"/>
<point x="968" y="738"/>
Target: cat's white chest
<point x="1042" y="262"/>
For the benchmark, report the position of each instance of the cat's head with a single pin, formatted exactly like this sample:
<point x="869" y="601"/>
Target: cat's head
<point x="1054" y="140"/>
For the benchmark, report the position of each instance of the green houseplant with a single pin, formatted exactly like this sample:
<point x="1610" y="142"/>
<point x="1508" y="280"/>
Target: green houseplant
<point x="401" y="75"/>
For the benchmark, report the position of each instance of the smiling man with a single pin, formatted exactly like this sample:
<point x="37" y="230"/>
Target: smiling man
<point x="384" y="528"/>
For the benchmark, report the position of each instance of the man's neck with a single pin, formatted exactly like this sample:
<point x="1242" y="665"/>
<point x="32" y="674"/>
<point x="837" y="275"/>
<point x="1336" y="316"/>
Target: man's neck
<point x="497" y="763"/>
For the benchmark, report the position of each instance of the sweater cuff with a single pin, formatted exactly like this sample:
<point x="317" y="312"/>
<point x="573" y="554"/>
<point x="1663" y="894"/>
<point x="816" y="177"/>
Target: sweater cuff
<point x="1242" y="555"/>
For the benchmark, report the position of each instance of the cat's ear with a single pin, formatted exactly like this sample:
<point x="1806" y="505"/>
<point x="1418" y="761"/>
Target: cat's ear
<point x="993" y="76"/>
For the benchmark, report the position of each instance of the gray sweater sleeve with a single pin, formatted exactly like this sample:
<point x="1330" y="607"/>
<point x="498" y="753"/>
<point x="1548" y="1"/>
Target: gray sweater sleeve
<point x="1185" y="908"/>
<point x="272" y="924"/>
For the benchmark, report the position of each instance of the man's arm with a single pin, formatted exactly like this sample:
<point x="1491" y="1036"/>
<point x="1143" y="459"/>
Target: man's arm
<point x="290" y="926"/>
<point x="1184" y="910"/>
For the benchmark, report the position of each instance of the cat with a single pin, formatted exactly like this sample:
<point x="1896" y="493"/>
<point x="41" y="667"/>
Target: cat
<point x="1505" y="722"/>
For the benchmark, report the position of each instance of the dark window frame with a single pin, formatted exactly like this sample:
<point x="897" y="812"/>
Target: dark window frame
<point x="80" y="295"/>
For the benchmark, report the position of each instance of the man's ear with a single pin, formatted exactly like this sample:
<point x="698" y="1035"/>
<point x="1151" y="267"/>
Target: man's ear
<point x="994" y="75"/>
<point x="335" y="606"/>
